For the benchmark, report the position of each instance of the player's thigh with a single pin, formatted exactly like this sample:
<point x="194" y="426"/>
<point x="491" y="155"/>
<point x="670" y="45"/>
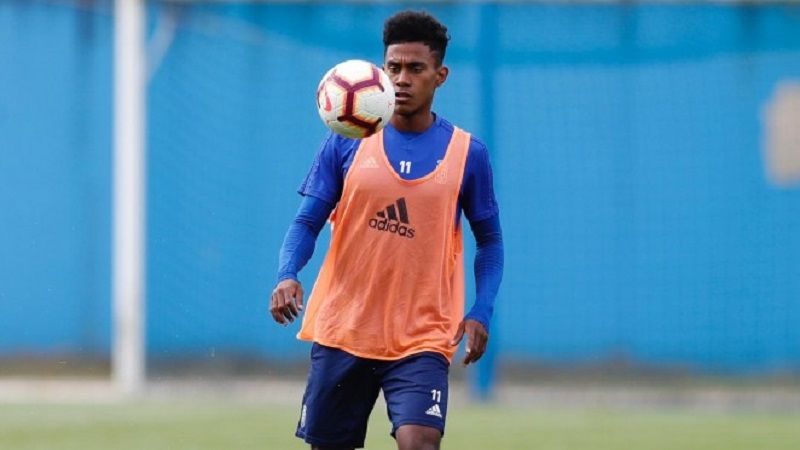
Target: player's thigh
<point x="339" y="397"/>
<point x="418" y="437"/>
<point x="416" y="391"/>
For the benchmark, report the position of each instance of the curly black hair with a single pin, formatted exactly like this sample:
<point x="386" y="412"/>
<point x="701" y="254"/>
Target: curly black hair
<point x="416" y="26"/>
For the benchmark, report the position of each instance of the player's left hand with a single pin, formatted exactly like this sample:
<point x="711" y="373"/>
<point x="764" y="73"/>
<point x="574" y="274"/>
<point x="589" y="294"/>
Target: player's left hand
<point x="477" y="337"/>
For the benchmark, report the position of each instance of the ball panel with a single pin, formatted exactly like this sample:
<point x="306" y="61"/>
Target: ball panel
<point x="331" y="101"/>
<point x="353" y="71"/>
<point x="355" y="99"/>
<point x="348" y="130"/>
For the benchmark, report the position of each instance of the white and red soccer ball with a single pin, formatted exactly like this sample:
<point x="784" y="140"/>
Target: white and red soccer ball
<point x="355" y="99"/>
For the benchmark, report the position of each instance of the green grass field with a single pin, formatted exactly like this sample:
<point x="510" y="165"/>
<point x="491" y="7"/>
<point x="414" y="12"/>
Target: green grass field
<point x="226" y="426"/>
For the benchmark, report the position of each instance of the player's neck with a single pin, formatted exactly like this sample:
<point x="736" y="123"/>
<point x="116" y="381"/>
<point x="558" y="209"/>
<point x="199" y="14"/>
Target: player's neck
<point x="414" y="123"/>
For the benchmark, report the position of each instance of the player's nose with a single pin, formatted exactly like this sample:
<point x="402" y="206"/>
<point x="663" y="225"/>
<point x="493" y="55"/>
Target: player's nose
<point x="402" y="78"/>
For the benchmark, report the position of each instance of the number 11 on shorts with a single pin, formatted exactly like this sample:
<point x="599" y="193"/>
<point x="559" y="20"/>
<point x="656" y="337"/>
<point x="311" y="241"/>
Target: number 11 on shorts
<point x="437" y="395"/>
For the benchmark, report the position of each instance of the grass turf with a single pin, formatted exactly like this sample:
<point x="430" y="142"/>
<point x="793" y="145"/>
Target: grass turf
<point x="243" y="426"/>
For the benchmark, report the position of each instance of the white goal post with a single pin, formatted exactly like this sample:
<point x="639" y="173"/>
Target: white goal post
<point x="128" y="242"/>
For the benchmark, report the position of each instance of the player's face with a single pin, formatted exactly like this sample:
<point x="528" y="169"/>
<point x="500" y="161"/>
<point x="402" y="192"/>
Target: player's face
<point x="415" y="74"/>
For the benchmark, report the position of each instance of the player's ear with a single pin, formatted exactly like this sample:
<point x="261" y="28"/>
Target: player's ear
<point x="441" y="75"/>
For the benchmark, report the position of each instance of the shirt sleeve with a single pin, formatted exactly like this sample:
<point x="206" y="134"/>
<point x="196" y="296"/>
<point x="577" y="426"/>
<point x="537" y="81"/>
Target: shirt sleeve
<point x="325" y="178"/>
<point x="477" y="190"/>
<point x="488" y="268"/>
<point x="301" y="237"/>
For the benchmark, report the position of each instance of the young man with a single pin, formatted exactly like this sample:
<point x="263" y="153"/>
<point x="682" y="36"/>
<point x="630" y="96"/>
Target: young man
<point x="387" y="310"/>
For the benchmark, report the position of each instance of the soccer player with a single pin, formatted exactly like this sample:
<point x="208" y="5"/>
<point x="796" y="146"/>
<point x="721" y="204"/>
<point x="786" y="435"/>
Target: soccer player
<point x="387" y="309"/>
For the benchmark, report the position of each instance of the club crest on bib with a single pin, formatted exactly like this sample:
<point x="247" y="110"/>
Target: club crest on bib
<point x="441" y="175"/>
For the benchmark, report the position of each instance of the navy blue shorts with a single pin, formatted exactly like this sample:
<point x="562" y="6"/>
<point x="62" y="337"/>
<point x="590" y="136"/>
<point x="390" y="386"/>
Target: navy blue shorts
<point x="342" y="389"/>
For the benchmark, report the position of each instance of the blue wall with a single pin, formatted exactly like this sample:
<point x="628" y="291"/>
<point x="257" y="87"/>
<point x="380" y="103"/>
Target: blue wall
<point x="625" y="141"/>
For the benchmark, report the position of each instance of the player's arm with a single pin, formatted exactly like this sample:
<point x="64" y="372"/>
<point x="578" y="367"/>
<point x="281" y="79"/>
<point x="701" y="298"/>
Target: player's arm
<point x="480" y="207"/>
<point x="321" y="190"/>
<point x="297" y="249"/>
<point x="488" y="268"/>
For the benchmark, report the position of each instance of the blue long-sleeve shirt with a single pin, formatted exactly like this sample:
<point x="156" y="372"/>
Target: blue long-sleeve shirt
<point x="412" y="155"/>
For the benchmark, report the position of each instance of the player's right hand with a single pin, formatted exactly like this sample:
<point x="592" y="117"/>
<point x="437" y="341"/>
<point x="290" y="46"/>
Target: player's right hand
<point x="287" y="301"/>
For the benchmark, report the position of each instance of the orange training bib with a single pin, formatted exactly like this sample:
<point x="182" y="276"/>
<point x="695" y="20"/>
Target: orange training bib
<point x="392" y="283"/>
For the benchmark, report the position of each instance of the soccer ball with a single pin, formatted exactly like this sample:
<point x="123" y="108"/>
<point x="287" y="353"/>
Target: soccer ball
<point x="355" y="99"/>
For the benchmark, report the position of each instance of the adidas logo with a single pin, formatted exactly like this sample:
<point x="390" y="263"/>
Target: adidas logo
<point x="434" y="411"/>
<point x="368" y="163"/>
<point x="393" y="219"/>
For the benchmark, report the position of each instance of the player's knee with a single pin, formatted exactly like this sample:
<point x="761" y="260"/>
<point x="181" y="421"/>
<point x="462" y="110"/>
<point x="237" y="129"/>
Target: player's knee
<point x="417" y="437"/>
